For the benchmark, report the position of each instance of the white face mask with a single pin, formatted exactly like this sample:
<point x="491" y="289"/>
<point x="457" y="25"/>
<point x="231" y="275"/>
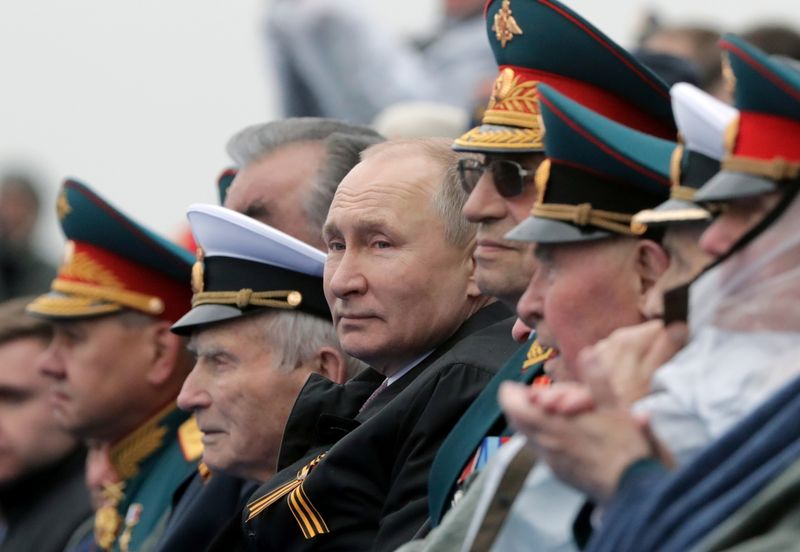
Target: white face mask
<point x="756" y="289"/>
<point x="744" y="319"/>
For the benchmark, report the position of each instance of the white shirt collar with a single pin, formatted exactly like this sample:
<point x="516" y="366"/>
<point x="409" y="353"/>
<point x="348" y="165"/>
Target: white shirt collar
<point x="406" y="369"/>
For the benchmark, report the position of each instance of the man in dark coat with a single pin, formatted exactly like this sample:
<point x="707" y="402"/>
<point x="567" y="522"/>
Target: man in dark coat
<point x="399" y="279"/>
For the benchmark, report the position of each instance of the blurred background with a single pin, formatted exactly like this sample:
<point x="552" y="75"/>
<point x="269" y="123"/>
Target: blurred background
<point x="138" y="99"/>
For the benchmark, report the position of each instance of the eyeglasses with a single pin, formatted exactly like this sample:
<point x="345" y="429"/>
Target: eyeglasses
<point x="509" y="177"/>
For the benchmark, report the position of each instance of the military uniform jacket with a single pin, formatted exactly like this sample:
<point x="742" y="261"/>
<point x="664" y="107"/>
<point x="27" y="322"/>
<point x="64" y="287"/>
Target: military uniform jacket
<point x="483" y="418"/>
<point x="151" y="462"/>
<point x="369" y="490"/>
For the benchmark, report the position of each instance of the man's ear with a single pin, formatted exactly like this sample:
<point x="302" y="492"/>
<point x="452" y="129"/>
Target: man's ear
<point x="329" y="362"/>
<point x="651" y="262"/>
<point x="472" y="285"/>
<point x="167" y="347"/>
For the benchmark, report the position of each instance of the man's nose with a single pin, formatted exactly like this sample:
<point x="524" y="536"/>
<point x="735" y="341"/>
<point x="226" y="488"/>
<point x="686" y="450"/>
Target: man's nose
<point x="484" y="203"/>
<point x="346" y="277"/>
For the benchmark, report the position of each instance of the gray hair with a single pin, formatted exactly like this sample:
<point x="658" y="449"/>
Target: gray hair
<point x="342" y="153"/>
<point x="449" y="197"/>
<point x="343" y="143"/>
<point x="254" y="142"/>
<point x="299" y="336"/>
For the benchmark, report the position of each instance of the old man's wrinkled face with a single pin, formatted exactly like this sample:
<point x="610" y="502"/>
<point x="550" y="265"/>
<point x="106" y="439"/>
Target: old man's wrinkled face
<point x="579" y="294"/>
<point x="241" y="396"/>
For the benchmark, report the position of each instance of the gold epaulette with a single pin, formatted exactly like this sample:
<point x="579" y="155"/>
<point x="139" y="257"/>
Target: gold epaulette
<point x="127" y="454"/>
<point x="190" y="439"/>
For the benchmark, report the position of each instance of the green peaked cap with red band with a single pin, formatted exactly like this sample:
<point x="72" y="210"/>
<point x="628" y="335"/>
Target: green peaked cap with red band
<point x="763" y="143"/>
<point x="544" y="42"/>
<point x="112" y="263"/>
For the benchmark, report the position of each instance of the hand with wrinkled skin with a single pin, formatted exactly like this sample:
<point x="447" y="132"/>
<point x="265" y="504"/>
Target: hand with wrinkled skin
<point x="588" y="451"/>
<point x="619" y="369"/>
<point x="585" y="431"/>
<point x="565" y="398"/>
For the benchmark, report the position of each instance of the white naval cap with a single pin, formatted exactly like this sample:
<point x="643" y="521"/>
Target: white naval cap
<point x="226" y="233"/>
<point x="702" y="119"/>
<point x="245" y="266"/>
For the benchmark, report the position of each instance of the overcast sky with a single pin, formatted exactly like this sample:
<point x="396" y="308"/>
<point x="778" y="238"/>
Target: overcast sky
<point x="137" y="99"/>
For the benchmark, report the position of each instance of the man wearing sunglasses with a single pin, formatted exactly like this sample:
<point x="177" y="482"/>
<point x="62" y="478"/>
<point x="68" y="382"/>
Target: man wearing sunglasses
<point x="501" y="193"/>
<point x="500" y="181"/>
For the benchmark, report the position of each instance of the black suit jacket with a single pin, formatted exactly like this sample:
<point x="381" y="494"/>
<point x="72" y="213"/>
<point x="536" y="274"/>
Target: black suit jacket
<point x="44" y="508"/>
<point x="369" y="490"/>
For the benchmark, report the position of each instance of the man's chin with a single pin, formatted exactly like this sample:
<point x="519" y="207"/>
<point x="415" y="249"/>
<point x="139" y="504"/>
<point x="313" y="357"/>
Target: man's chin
<point x="495" y="259"/>
<point x="215" y="464"/>
<point x="67" y="421"/>
<point x="490" y="284"/>
<point x="365" y="350"/>
<point x="556" y="369"/>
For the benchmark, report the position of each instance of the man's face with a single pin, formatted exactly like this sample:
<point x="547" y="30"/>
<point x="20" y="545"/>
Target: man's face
<point x="460" y="9"/>
<point x="736" y="219"/>
<point x="29" y="435"/>
<point x="18" y="215"/>
<point x="241" y="396"/>
<point x="275" y="189"/>
<point x="579" y="294"/>
<point x="97" y="375"/>
<point x="686" y="260"/>
<point x="395" y="286"/>
<point x="503" y="267"/>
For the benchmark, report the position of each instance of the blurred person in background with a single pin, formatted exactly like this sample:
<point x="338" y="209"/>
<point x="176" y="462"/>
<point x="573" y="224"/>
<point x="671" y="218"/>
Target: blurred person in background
<point x="321" y="74"/>
<point x="22" y="271"/>
<point x="775" y="39"/>
<point x="696" y="44"/>
<point x="42" y="493"/>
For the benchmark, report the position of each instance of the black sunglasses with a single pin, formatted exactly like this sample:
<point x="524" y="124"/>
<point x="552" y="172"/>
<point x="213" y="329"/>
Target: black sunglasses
<point x="509" y="177"/>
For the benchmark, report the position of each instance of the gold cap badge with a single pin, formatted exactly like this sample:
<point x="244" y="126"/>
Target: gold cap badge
<point x="197" y="272"/>
<point x="505" y="26"/>
<point x="62" y="205"/>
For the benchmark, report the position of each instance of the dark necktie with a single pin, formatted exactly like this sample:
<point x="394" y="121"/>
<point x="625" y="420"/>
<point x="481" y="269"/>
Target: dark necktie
<point x="374" y="395"/>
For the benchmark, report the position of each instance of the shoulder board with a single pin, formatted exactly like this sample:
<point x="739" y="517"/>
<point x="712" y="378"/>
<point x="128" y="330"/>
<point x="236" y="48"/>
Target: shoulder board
<point x="191" y="439"/>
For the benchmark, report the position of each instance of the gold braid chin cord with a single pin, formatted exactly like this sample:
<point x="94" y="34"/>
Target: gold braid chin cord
<point x="584" y="215"/>
<point x="284" y="299"/>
